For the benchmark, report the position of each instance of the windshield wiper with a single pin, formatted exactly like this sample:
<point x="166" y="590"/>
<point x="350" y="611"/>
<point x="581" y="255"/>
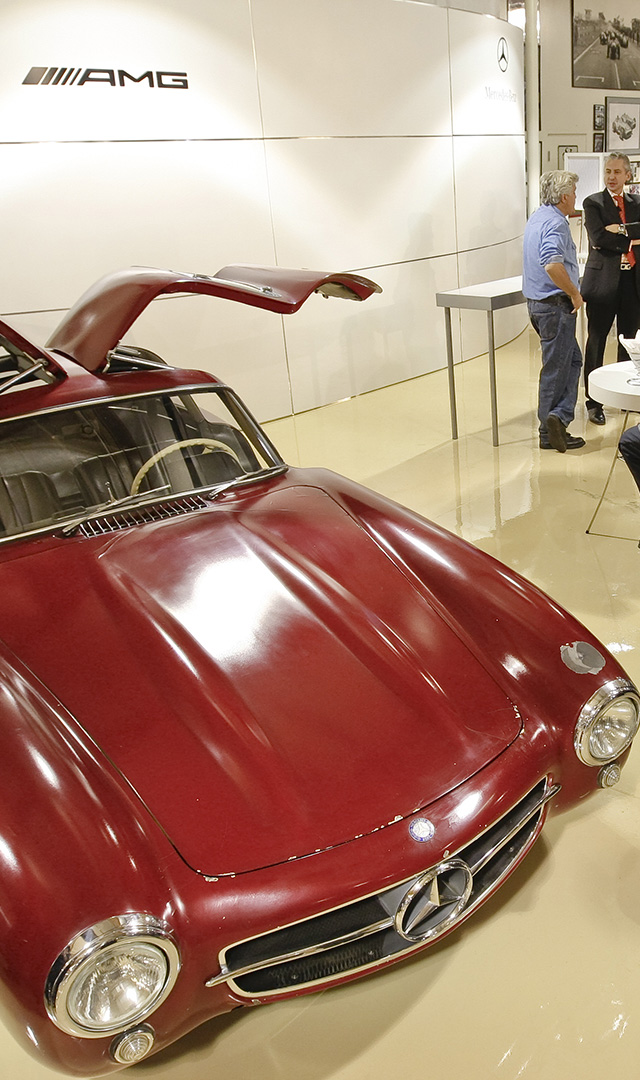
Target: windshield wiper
<point x="114" y="505"/>
<point x="107" y="507"/>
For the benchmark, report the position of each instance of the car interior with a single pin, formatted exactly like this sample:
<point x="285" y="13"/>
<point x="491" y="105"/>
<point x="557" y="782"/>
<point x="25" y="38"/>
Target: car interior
<point x="57" y="464"/>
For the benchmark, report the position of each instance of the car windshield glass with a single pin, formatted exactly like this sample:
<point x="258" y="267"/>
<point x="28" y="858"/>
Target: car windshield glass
<point x="58" y="466"/>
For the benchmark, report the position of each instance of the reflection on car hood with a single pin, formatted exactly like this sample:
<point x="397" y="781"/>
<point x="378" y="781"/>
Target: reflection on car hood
<point x="262" y="673"/>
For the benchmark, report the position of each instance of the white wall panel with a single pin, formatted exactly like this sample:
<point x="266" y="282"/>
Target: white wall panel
<point x="366" y="67"/>
<point x="487" y="80"/>
<point x="490" y="191"/>
<point x="488" y="7"/>
<point x="74" y="214"/>
<point x="211" y="42"/>
<point x="393" y="336"/>
<point x="491" y="264"/>
<point x="350" y="203"/>
<point x="315" y="135"/>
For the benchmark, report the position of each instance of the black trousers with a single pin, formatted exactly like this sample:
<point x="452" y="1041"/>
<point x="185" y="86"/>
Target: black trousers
<point x="625" y="309"/>
<point x="629" y="447"/>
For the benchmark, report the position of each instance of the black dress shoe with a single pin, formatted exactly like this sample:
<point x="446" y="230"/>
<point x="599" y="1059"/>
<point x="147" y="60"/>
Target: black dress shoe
<point x="556" y="434"/>
<point x="572" y="442"/>
<point x="596" y="415"/>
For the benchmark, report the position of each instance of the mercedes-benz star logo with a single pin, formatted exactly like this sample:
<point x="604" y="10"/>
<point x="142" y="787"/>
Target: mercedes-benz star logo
<point x="435" y="901"/>
<point x="421" y="829"/>
<point x="503" y="54"/>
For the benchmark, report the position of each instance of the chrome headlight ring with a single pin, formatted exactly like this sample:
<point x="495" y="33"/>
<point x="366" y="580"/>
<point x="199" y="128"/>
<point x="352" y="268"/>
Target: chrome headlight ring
<point x="608" y="723"/>
<point x="112" y="975"/>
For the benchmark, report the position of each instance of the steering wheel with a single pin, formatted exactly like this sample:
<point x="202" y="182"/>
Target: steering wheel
<point x="211" y="444"/>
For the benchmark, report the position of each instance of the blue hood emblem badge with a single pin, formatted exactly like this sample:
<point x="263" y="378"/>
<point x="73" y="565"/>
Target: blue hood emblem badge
<point x="422" y="829"/>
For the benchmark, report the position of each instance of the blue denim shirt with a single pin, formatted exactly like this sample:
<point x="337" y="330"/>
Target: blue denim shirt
<point x="547" y="239"/>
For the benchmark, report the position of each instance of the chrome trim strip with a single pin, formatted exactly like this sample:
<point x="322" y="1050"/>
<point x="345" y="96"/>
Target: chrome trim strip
<point x="299" y="954"/>
<point x="548" y="795"/>
<point x="109" y="399"/>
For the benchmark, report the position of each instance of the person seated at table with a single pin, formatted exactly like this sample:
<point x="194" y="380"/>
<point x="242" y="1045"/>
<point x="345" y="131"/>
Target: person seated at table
<point x="629" y="444"/>
<point x="629" y="447"/>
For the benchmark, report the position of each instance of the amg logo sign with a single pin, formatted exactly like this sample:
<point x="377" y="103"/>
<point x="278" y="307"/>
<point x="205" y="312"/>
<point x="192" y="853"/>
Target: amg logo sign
<point x="62" y="76"/>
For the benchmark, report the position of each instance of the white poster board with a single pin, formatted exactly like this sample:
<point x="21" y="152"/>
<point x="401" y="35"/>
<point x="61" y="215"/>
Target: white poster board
<point x="590" y="169"/>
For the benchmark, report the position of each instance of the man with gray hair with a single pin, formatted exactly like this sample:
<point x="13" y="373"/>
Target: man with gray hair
<point x="551" y="286"/>
<point x="611" y="282"/>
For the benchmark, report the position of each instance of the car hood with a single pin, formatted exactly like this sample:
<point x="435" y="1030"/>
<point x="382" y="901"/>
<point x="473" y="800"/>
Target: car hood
<point x="261" y="672"/>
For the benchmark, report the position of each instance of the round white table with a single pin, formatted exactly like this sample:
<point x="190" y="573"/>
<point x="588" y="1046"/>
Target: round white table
<point x="618" y="385"/>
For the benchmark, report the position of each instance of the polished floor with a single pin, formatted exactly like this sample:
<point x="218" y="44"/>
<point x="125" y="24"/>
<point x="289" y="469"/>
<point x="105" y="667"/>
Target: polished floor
<point x="544" y="982"/>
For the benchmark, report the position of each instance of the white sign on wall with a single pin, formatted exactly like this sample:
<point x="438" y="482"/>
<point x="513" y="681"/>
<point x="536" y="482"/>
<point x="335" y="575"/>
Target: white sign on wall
<point x="136" y="70"/>
<point x="487" y="76"/>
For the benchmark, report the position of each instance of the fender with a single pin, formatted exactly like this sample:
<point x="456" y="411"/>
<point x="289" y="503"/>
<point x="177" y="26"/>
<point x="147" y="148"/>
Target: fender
<point x="66" y="815"/>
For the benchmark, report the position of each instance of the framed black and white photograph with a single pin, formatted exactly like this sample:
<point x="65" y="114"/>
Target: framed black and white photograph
<point x="598" y="142"/>
<point x="566" y="148"/>
<point x="598" y="117"/>
<point x="623" y="125"/>
<point x="606" y="46"/>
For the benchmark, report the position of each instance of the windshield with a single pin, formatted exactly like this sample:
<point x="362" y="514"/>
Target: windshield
<point x="58" y="466"/>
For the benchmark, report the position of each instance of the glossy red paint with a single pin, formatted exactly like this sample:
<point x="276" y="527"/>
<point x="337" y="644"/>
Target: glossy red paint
<point x="229" y="719"/>
<point x="77" y="386"/>
<point x="123" y="789"/>
<point x="105" y="312"/>
<point x="208" y="653"/>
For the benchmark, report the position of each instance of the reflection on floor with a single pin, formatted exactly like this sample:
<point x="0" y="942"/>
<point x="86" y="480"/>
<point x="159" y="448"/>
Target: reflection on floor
<point x="544" y="982"/>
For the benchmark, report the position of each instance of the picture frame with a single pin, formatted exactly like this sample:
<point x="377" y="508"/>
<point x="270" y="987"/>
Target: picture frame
<point x="599" y="116"/>
<point x="598" y="142"/>
<point x="623" y="125"/>
<point x="566" y="148"/>
<point x="602" y="44"/>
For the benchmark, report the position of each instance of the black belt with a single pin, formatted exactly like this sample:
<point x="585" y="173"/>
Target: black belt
<point x="557" y="298"/>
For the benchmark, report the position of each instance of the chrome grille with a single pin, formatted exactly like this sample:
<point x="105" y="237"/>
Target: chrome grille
<point x="144" y="515"/>
<point x="366" y="932"/>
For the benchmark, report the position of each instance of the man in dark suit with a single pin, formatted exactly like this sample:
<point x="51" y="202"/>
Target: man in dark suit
<point x="611" y="281"/>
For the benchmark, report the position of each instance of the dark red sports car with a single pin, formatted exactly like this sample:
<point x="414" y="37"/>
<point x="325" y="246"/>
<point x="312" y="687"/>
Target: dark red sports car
<point x="263" y="730"/>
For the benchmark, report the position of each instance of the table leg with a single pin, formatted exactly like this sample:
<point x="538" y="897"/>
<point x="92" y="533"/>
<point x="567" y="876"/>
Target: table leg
<point x="492" y="377"/>
<point x="609" y="474"/>
<point x="452" y="382"/>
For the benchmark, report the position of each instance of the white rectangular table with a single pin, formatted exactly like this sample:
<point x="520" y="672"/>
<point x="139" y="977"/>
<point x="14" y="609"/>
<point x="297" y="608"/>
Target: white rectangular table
<point x="489" y="296"/>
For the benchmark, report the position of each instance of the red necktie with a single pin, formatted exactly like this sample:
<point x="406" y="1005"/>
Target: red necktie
<point x="619" y="201"/>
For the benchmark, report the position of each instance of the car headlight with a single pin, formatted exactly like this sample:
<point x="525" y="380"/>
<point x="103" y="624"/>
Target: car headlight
<point x="112" y="975"/>
<point x="607" y="723"/>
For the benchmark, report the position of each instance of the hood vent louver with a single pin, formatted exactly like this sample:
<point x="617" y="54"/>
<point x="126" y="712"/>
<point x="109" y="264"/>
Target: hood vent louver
<point x="142" y="515"/>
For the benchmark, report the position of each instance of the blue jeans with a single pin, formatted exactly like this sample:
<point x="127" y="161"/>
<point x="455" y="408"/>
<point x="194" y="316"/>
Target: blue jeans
<point x="561" y="359"/>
